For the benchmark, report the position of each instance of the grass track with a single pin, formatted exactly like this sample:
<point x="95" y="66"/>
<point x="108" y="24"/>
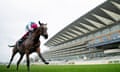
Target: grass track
<point x="65" y="68"/>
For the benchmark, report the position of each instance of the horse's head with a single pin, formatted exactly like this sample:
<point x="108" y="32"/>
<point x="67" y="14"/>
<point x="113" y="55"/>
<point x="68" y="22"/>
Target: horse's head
<point x="43" y="29"/>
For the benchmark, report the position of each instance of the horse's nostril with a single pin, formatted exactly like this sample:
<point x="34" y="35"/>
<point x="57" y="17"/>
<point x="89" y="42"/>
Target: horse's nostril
<point x="46" y="36"/>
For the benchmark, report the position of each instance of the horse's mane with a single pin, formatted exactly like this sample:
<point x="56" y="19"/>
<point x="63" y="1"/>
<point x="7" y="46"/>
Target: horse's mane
<point x="36" y="31"/>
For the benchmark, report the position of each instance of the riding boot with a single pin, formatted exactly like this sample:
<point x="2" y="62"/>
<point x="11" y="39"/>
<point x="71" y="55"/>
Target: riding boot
<point x="30" y="33"/>
<point x="21" y="41"/>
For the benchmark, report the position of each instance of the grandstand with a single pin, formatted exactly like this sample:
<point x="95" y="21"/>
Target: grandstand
<point x="94" y="35"/>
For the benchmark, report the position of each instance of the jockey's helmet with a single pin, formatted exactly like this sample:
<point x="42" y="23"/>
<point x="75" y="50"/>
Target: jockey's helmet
<point x="33" y="25"/>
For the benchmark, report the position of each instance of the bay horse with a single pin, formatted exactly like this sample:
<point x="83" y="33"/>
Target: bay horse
<point x="30" y="45"/>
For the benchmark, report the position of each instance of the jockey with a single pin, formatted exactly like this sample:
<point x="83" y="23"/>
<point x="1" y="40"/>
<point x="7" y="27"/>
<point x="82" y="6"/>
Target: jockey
<point x="29" y="28"/>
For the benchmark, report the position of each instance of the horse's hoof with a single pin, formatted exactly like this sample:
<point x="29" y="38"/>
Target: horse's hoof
<point x="8" y="66"/>
<point x="47" y="63"/>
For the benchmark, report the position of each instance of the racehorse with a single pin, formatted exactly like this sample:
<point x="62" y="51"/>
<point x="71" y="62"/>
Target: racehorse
<point x="30" y="45"/>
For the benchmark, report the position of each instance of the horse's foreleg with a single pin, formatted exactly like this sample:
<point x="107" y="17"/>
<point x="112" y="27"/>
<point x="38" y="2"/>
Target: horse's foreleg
<point x="13" y="54"/>
<point x="28" y="61"/>
<point x="21" y="56"/>
<point x="39" y="54"/>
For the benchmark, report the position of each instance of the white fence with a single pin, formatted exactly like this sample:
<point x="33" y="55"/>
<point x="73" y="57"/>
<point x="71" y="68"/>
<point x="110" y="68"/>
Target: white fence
<point x="103" y="60"/>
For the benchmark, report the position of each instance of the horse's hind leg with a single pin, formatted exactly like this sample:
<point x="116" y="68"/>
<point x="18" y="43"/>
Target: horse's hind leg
<point x="28" y="61"/>
<point x="13" y="54"/>
<point x="21" y="56"/>
<point x="39" y="54"/>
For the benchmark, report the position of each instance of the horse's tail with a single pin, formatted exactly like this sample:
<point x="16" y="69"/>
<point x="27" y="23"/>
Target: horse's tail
<point x="11" y="45"/>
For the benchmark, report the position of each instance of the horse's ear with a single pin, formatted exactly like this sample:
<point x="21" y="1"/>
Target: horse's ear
<point x="39" y="22"/>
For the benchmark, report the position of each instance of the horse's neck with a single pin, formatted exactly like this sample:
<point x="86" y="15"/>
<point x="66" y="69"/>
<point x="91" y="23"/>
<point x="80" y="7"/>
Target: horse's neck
<point x="35" y="35"/>
<point x="29" y="35"/>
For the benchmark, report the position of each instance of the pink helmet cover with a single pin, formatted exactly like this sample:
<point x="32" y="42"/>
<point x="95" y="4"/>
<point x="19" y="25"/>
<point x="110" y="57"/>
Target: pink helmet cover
<point x="34" y="26"/>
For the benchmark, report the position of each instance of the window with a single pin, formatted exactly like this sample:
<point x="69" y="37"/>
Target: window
<point x="97" y="40"/>
<point x="105" y="38"/>
<point x="115" y="28"/>
<point x="90" y="42"/>
<point x="115" y="36"/>
<point x="118" y="35"/>
<point x="83" y="39"/>
<point x="105" y="31"/>
<point x="90" y="36"/>
<point x="97" y="34"/>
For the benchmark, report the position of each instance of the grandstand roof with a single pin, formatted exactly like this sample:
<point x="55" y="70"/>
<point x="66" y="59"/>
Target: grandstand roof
<point x="102" y="16"/>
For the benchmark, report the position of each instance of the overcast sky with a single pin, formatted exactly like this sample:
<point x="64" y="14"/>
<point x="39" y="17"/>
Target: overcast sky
<point x="15" y="14"/>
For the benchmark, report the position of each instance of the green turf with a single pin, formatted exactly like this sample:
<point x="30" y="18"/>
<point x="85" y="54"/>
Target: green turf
<point x="65" y="68"/>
